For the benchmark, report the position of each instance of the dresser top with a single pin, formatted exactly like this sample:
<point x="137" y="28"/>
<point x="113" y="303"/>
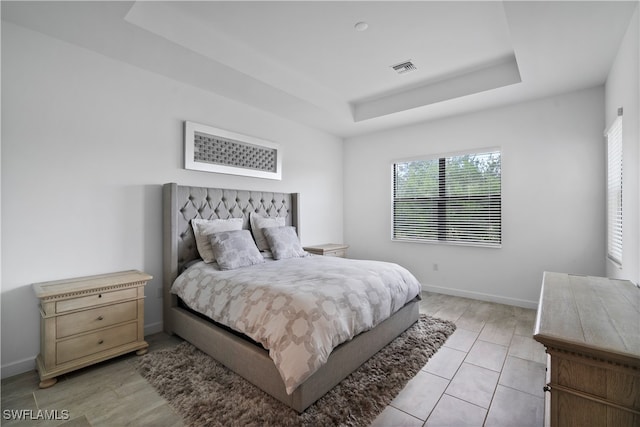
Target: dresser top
<point x="594" y="315"/>
<point x="87" y="283"/>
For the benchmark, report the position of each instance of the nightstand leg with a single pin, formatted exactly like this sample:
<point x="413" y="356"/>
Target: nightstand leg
<point x="48" y="383"/>
<point x="142" y="351"/>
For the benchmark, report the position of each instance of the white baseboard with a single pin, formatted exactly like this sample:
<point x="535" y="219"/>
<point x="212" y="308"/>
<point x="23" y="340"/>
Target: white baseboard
<point x="481" y="296"/>
<point x="29" y="364"/>
<point x="19" y="367"/>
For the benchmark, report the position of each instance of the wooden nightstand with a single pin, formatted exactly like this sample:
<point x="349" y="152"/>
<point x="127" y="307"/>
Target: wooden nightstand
<point x="328" y="249"/>
<point x="86" y="320"/>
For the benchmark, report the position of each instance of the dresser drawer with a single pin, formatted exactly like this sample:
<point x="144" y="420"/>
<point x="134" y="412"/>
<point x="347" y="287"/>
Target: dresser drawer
<point x="96" y="299"/>
<point x="95" y="318"/>
<point x="96" y="342"/>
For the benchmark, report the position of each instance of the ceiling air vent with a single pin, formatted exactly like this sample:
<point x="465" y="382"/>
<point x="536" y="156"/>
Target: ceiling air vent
<point x="404" y="67"/>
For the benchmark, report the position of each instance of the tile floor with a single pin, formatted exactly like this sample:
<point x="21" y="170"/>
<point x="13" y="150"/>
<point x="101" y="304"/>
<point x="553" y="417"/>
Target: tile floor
<point x="490" y="372"/>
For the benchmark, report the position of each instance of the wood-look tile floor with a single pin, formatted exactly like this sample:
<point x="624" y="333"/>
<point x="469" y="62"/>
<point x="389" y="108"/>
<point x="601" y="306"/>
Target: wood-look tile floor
<point x="490" y="372"/>
<point x="108" y="394"/>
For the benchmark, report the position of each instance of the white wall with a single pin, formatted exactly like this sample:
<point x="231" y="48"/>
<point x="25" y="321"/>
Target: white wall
<point x="553" y="196"/>
<point x="87" y="143"/>
<point x="623" y="90"/>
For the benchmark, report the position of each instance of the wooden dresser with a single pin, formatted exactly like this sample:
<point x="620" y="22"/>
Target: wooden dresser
<point x="328" y="249"/>
<point x="86" y="320"/>
<point x="590" y="327"/>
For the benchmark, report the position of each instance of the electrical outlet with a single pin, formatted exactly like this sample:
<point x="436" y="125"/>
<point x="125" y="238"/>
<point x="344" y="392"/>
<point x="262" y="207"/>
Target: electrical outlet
<point x="435" y="266"/>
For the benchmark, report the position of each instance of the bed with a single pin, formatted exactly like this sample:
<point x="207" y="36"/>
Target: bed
<point x="239" y="353"/>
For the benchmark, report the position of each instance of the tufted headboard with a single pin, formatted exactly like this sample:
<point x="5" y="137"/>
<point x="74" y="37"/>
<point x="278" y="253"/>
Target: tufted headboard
<point x="183" y="203"/>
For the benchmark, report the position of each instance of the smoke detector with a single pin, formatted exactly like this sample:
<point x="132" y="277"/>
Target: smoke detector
<point x="404" y="67"/>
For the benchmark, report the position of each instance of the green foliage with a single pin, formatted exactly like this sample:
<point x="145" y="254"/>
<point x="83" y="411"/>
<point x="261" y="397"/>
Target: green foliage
<point x="467" y="174"/>
<point x="473" y="174"/>
<point x="416" y="179"/>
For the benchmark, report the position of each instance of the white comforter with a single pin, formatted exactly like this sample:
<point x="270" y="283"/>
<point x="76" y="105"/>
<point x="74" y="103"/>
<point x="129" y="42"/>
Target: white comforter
<point x="299" y="309"/>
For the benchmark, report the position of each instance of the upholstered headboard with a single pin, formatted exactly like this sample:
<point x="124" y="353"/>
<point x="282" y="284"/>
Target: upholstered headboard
<point x="182" y="203"/>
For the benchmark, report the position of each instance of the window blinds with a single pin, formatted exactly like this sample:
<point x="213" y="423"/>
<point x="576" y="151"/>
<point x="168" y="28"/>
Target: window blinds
<point x="453" y="199"/>
<point x="614" y="190"/>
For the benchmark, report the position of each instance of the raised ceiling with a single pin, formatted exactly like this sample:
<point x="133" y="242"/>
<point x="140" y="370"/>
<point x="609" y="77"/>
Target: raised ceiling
<point x="306" y="62"/>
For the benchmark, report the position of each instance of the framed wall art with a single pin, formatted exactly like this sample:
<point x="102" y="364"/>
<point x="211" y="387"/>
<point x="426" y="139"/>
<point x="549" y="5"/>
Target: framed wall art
<point x="212" y="149"/>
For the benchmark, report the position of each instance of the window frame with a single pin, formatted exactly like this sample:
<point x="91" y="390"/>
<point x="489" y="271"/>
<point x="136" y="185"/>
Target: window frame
<point x="441" y="198"/>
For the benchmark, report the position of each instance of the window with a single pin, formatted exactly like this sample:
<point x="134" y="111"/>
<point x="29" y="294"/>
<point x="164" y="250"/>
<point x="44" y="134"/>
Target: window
<point x="614" y="190"/>
<point x="453" y="199"/>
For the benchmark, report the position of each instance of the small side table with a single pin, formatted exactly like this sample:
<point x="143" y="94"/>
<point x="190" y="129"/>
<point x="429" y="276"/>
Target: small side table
<point x="328" y="249"/>
<point x="86" y="320"/>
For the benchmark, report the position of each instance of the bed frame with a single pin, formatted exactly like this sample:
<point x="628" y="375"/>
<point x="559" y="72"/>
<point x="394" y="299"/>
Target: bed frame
<point x="183" y="203"/>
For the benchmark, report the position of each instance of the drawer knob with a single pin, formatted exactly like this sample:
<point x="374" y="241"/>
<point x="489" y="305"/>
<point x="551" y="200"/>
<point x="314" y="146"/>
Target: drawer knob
<point x="101" y="341"/>
<point x="100" y="318"/>
<point x="99" y="295"/>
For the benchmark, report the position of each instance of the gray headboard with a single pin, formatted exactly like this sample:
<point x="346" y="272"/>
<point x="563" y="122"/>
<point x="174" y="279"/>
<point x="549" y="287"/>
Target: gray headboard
<point x="183" y="203"/>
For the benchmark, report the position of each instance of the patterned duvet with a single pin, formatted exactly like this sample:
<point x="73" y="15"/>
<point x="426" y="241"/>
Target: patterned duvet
<point x="299" y="309"/>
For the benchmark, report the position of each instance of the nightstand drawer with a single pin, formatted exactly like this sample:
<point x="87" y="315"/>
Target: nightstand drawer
<point x="96" y="342"/>
<point x="96" y="299"/>
<point x="342" y="253"/>
<point x="96" y="318"/>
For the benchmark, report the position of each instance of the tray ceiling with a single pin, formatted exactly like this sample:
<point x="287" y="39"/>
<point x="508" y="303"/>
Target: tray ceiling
<point x="307" y="62"/>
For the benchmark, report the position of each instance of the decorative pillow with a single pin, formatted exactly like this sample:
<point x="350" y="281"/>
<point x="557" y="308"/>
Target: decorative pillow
<point x="284" y="242"/>
<point x="233" y="249"/>
<point x="204" y="228"/>
<point x="258" y="223"/>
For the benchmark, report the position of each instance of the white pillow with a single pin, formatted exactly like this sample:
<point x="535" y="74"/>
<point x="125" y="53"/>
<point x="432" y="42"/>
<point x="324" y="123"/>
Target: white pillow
<point x="284" y="242"/>
<point x="258" y="223"/>
<point x="235" y="249"/>
<point x="204" y="228"/>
